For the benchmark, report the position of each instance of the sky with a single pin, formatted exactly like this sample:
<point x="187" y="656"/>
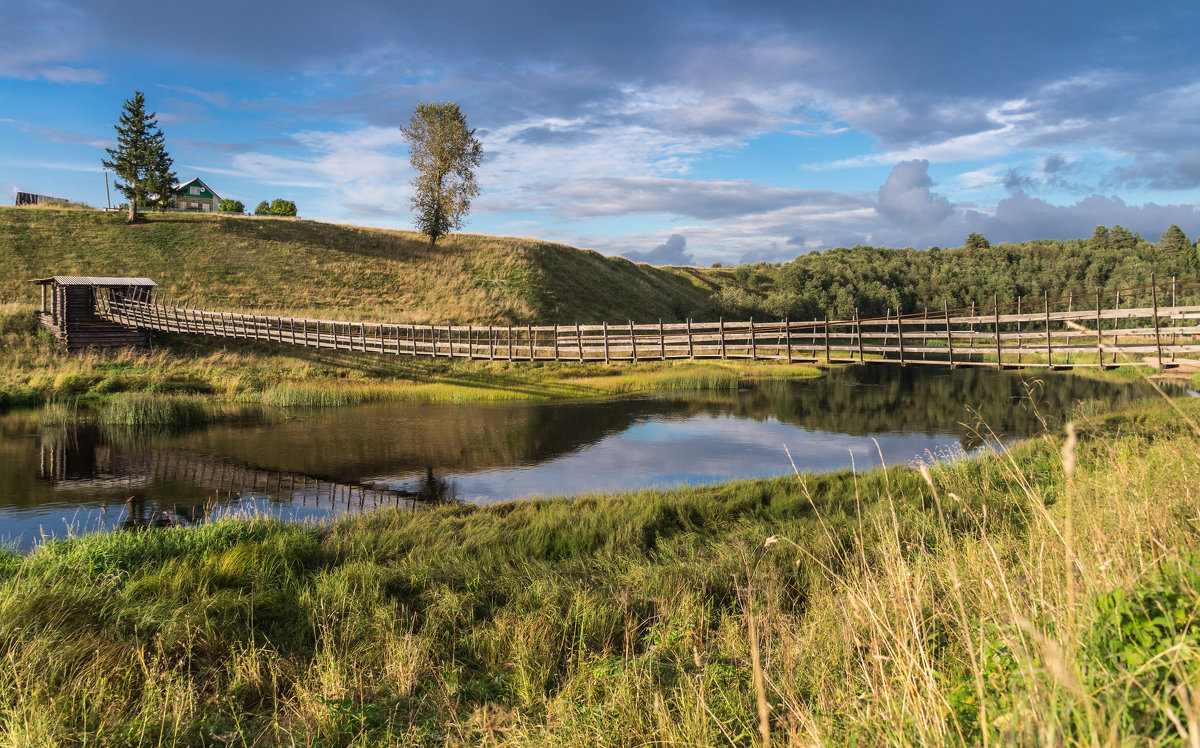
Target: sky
<point x="667" y="132"/>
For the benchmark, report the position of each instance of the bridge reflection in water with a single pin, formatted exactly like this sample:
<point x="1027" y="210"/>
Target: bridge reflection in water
<point x="85" y="462"/>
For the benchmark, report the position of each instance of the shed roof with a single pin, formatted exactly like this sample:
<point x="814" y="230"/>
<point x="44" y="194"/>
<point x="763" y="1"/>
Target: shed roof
<point x="89" y="280"/>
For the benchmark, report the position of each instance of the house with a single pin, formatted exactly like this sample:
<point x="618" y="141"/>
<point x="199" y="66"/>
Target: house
<point x="195" y="195"/>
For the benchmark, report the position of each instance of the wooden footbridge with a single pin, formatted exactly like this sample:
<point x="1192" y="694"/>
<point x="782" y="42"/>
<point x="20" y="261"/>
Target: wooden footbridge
<point x="1144" y="325"/>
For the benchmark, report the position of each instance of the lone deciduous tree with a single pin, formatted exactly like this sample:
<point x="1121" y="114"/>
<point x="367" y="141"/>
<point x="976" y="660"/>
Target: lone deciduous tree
<point x="445" y="154"/>
<point x="140" y="160"/>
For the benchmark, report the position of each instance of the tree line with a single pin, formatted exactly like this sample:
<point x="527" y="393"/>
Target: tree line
<point x="875" y="280"/>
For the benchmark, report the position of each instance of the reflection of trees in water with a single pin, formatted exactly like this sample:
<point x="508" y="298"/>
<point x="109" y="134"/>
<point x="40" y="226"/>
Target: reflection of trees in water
<point x="432" y="489"/>
<point x="878" y="399"/>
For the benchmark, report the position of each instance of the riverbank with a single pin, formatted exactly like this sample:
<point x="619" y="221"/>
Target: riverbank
<point x="1040" y="596"/>
<point x="187" y="369"/>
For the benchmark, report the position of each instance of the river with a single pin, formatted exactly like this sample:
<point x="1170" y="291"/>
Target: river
<point x="304" y="465"/>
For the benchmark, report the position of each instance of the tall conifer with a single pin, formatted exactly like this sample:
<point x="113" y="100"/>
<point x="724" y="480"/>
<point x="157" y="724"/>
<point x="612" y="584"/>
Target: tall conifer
<point x="140" y="160"/>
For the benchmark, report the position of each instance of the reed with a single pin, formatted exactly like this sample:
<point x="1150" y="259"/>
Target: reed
<point x="147" y="410"/>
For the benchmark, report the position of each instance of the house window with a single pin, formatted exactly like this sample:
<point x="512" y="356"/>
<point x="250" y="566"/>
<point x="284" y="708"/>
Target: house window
<point x="193" y="190"/>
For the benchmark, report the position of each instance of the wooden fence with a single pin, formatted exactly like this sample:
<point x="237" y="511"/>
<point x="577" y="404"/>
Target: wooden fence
<point x="1146" y="324"/>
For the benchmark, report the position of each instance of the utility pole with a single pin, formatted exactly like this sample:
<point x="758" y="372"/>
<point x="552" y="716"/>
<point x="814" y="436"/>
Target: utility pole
<point x="107" y="196"/>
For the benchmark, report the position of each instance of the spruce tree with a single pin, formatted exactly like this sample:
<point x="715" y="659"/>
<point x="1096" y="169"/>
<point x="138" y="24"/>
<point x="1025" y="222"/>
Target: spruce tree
<point x="1175" y="243"/>
<point x="140" y="161"/>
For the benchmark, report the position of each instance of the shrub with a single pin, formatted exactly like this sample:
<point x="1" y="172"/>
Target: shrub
<point x="281" y="207"/>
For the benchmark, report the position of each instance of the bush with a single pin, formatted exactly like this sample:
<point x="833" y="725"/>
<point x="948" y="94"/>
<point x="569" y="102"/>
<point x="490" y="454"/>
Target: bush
<point x="263" y="209"/>
<point x="231" y="206"/>
<point x="281" y="207"/>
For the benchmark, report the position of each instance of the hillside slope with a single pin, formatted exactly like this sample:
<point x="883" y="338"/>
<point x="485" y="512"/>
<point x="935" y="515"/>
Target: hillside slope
<point x="310" y="268"/>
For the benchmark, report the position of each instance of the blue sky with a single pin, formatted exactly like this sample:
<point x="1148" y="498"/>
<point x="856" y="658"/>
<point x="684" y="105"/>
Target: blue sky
<point x="672" y="132"/>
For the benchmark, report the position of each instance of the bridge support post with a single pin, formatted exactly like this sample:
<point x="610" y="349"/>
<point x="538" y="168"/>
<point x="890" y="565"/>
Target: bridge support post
<point x="753" y="342"/>
<point x="900" y="335"/>
<point x="1157" y="339"/>
<point x="949" y="337"/>
<point x="787" y="331"/>
<point x="1049" y="348"/>
<point x="1099" y="339"/>
<point x="1116" y="327"/>
<point x="1019" y="298"/>
<point x="827" y="359"/>
<point x="605" y="342"/>
<point x="858" y="334"/>
<point x="996" y="319"/>
<point x="691" y="349"/>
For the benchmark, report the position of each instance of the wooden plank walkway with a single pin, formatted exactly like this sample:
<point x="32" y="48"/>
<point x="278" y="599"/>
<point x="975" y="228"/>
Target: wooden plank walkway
<point x="1146" y="324"/>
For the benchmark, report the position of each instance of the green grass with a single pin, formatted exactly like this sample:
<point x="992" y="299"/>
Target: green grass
<point x="307" y="268"/>
<point x="142" y="410"/>
<point x="1041" y="596"/>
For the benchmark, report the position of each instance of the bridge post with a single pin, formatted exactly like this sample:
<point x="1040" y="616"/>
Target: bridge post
<point x="1157" y="339"/>
<point x="662" y="341"/>
<point x="996" y="318"/>
<point x="1174" y="312"/>
<point x="632" y="342"/>
<point x="1049" y="348"/>
<point x="753" y="342"/>
<point x="579" y="340"/>
<point x="691" y="349"/>
<point x="925" y="334"/>
<point x="1019" y="298"/>
<point x="827" y="360"/>
<point x="900" y="335"/>
<point x="605" y="330"/>
<point x="1116" y="327"/>
<point x="787" y="331"/>
<point x="1099" y="340"/>
<point x="949" y="337"/>
<point x="471" y="343"/>
<point x="721" y="327"/>
<point x="858" y="334"/>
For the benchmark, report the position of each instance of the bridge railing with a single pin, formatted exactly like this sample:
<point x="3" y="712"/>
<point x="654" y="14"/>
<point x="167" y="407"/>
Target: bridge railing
<point x="1098" y="329"/>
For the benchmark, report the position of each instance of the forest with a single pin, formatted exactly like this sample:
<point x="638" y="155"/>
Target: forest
<point x="874" y="280"/>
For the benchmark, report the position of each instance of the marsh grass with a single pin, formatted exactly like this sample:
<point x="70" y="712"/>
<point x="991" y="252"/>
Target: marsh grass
<point x="141" y="410"/>
<point x="1041" y="595"/>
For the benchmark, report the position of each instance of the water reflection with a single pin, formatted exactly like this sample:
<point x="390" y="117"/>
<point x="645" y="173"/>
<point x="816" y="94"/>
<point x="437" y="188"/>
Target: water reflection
<point x="322" y="463"/>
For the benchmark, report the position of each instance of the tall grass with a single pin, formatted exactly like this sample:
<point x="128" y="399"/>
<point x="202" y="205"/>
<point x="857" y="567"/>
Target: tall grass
<point x="1043" y="595"/>
<point x="146" y="410"/>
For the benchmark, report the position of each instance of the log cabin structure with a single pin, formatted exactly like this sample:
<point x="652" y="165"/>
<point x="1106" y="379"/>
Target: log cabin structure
<point x="69" y="312"/>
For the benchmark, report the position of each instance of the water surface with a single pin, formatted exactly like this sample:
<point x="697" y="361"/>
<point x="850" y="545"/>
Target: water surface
<point x="316" y="464"/>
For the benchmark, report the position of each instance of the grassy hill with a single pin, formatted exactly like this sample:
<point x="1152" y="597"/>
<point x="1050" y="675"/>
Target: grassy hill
<point x="311" y="268"/>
